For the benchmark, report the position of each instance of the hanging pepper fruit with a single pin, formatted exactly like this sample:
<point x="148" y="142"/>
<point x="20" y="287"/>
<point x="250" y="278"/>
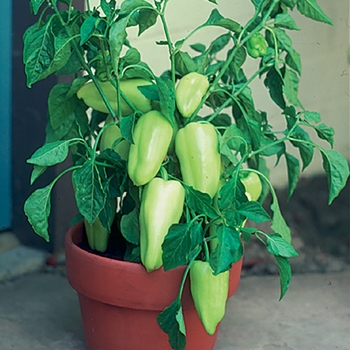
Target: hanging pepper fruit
<point x="97" y="234"/>
<point x="152" y="136"/>
<point x="92" y="98"/>
<point x="256" y="46"/>
<point x="209" y="294"/>
<point x="197" y="148"/>
<point x="161" y="206"/>
<point x="110" y="135"/>
<point x="189" y="93"/>
<point x="252" y="184"/>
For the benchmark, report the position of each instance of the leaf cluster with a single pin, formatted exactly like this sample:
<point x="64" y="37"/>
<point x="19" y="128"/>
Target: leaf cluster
<point x="92" y="45"/>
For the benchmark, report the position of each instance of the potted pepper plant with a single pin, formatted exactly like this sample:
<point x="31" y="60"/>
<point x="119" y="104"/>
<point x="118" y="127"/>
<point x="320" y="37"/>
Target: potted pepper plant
<point x="166" y="169"/>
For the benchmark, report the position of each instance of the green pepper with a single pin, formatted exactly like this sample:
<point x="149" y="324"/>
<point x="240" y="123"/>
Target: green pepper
<point x="109" y="137"/>
<point x="152" y="136"/>
<point x="252" y="185"/>
<point x="209" y="293"/>
<point x="197" y="148"/>
<point x="90" y="95"/>
<point x="256" y="45"/>
<point x="161" y="206"/>
<point x="97" y="234"/>
<point x="189" y="93"/>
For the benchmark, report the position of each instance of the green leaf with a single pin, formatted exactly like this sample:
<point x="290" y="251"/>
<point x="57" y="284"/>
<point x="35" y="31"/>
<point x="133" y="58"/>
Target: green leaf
<point x="325" y="132"/>
<point x="166" y="98"/>
<point x="181" y="243"/>
<point x="274" y="83"/>
<point x="285" y="20"/>
<point x="198" y="47"/>
<point x="260" y="4"/>
<point x="285" y="273"/>
<point x="293" y="169"/>
<point x="127" y="126"/>
<point x="278" y="223"/>
<point x="61" y="108"/>
<point x="87" y="29"/>
<point x="228" y="251"/>
<point x="108" y="8"/>
<point x="117" y="38"/>
<point x="128" y="6"/>
<point x="37" y="208"/>
<point x="130" y="227"/>
<point x="35" y="5"/>
<point x="219" y="44"/>
<point x="290" y="3"/>
<point x="171" y="321"/>
<point x="43" y="53"/>
<point x="306" y="149"/>
<point x="272" y="148"/>
<point x="293" y="60"/>
<point x="230" y="192"/>
<point x="132" y="253"/>
<point x="50" y="154"/>
<point x="276" y="245"/>
<point x="254" y="211"/>
<point x="312" y="117"/>
<point x="247" y="233"/>
<point x="216" y="19"/>
<point x="89" y="194"/>
<point x="200" y="202"/>
<point x="337" y="170"/>
<point x="311" y="9"/>
<point x="284" y="41"/>
<point x="150" y="91"/>
<point x="184" y="63"/>
<point x="37" y="171"/>
<point x="147" y="18"/>
<point x="290" y="87"/>
<point x="233" y="139"/>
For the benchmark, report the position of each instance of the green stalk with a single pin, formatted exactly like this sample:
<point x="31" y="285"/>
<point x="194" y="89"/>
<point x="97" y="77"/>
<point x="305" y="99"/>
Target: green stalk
<point x="82" y="61"/>
<point x="170" y="45"/>
<point x="239" y="44"/>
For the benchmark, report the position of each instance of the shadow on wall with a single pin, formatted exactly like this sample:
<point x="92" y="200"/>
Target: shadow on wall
<point x="320" y="233"/>
<point x="318" y="224"/>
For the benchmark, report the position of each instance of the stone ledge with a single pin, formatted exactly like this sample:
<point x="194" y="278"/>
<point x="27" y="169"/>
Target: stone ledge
<point x="19" y="261"/>
<point x="8" y="241"/>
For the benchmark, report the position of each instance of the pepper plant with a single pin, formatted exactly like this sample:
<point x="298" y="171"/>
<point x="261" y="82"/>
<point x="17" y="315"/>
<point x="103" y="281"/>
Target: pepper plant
<point x="184" y="178"/>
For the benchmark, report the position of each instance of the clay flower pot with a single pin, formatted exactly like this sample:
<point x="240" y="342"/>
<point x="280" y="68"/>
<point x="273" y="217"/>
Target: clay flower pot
<point x="120" y="301"/>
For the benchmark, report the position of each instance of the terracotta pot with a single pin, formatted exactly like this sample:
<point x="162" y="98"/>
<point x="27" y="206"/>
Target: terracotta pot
<point x="120" y="301"/>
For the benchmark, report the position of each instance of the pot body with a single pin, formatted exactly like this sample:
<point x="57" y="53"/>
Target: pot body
<point x="120" y="301"/>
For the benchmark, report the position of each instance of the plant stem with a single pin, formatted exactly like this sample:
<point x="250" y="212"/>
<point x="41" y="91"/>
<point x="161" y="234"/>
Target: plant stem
<point x="83" y="63"/>
<point x="170" y="45"/>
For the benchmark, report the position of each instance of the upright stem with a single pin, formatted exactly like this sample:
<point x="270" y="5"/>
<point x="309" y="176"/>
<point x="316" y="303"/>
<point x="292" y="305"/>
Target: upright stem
<point x="170" y="45"/>
<point x="82" y="61"/>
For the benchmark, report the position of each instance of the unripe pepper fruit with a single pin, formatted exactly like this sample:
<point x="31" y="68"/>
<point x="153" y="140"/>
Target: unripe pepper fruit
<point x="152" y="136"/>
<point x="97" y="234"/>
<point x="189" y="93"/>
<point x="109" y="135"/>
<point x="197" y="148"/>
<point x="252" y="185"/>
<point x="161" y="206"/>
<point x="209" y="293"/>
<point x="92" y="98"/>
<point x="256" y="45"/>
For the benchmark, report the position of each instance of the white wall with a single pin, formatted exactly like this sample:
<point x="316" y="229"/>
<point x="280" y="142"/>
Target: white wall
<point x="324" y="85"/>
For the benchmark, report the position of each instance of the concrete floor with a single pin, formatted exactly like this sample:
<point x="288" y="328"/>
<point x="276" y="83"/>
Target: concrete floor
<point x="40" y="312"/>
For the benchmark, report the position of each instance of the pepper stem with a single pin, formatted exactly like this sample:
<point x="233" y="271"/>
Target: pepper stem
<point x="164" y="173"/>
